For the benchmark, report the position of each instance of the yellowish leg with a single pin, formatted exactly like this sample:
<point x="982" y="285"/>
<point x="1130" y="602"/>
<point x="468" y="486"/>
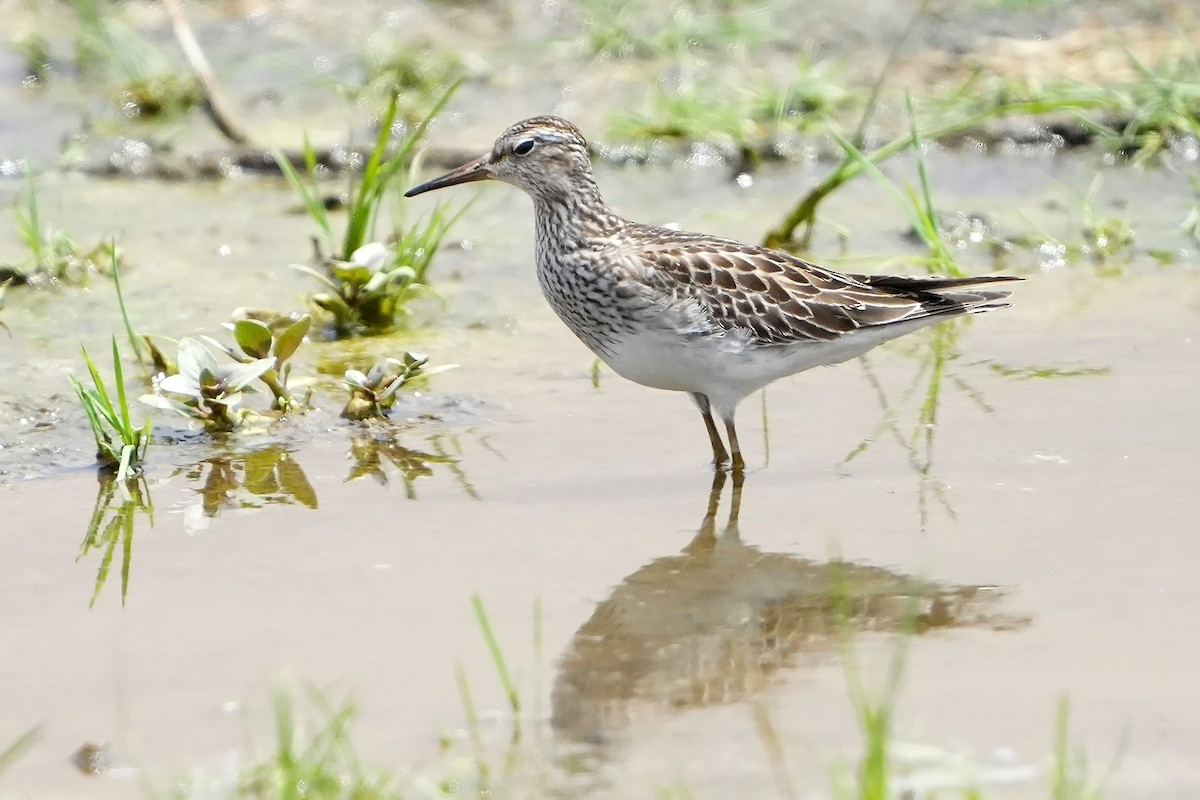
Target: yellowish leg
<point x="739" y="463"/>
<point x="720" y="455"/>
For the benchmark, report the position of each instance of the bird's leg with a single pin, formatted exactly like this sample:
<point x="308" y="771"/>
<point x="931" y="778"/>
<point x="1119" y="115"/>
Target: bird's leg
<point x="739" y="463"/>
<point x="720" y="456"/>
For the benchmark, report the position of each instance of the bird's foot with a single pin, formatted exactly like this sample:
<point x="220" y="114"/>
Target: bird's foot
<point x="736" y="464"/>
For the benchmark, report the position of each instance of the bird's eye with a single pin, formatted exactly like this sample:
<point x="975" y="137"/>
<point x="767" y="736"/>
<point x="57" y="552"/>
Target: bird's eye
<point x="523" y="147"/>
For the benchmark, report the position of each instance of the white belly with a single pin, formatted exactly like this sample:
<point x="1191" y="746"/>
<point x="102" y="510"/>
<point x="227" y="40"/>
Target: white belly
<point x="728" y="368"/>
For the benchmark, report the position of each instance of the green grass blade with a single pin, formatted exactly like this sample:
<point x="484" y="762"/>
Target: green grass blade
<point x="15" y="750"/>
<point x="135" y="341"/>
<point x="489" y="638"/>
<point x="363" y="202"/>
<point x="867" y="165"/>
<point x="310" y="199"/>
<point x="481" y="767"/>
<point x="97" y="381"/>
<point x="32" y="224"/>
<point x="126" y="430"/>
<point x="87" y="402"/>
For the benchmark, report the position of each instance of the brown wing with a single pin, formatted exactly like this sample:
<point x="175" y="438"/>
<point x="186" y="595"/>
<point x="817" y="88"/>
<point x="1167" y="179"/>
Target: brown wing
<point x="784" y="299"/>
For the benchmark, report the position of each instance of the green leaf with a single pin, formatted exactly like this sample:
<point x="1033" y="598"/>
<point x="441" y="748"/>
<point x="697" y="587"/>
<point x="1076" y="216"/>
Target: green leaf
<point x="195" y="359"/>
<point x="237" y="376"/>
<point x="166" y="404"/>
<point x="253" y="337"/>
<point x="288" y="340"/>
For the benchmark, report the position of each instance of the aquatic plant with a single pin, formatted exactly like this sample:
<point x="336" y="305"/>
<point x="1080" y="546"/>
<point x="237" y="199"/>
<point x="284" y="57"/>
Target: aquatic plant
<point x="372" y="393"/>
<point x="803" y="215"/>
<point x="874" y="710"/>
<point x="1104" y="236"/>
<point x="136" y="343"/>
<point x="199" y="388"/>
<point x="414" y="72"/>
<point x="145" y="82"/>
<point x="206" y="391"/>
<point x="810" y="95"/>
<point x="1147" y="116"/>
<point x="372" y="290"/>
<point x="629" y="29"/>
<point x="320" y="765"/>
<point x="1105" y="241"/>
<point x="695" y="110"/>
<point x="940" y="348"/>
<point x="119" y="444"/>
<point x="1141" y="118"/>
<point x="1070" y="777"/>
<point x="369" y="280"/>
<point x="273" y="336"/>
<point x="54" y="257"/>
<point x="34" y="50"/>
<point x="211" y="391"/>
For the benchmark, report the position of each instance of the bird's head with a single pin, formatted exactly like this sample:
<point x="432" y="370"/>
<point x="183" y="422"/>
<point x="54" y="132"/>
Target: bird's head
<point x="545" y="156"/>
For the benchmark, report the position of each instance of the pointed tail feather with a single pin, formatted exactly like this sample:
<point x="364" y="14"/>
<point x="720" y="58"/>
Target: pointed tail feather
<point x="959" y="291"/>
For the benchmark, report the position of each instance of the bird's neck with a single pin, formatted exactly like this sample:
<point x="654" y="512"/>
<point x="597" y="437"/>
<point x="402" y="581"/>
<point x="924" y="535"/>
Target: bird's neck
<point x="574" y="218"/>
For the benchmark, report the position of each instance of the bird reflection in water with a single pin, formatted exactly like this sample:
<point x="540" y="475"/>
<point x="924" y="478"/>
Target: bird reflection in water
<point x="717" y="622"/>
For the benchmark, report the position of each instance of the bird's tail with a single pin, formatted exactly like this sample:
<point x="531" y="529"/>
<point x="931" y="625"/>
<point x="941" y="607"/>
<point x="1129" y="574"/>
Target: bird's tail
<point x="961" y="291"/>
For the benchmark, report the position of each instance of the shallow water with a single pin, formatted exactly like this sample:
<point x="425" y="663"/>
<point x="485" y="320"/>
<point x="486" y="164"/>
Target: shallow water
<point x="1046" y="528"/>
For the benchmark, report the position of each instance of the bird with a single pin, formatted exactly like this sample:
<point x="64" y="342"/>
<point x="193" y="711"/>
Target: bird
<point x="713" y="317"/>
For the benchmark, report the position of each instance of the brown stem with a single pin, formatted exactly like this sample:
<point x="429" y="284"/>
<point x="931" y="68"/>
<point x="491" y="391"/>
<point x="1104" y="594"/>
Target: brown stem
<point x="218" y="108"/>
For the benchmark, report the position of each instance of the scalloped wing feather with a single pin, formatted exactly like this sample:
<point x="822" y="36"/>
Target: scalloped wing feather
<point x="783" y="299"/>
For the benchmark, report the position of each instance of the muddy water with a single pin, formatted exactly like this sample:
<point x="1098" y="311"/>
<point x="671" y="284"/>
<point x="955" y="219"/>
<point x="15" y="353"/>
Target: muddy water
<point x="1043" y="534"/>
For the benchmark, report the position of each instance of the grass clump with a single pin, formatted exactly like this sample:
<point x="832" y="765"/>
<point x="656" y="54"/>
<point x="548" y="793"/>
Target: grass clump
<point x="1142" y="113"/>
<point x="704" y="105"/>
<point x="415" y="73"/>
<point x="1144" y="118"/>
<point x="369" y="281"/>
<point x="54" y="259"/>
<point x="695" y="111"/>
<point x="811" y="94"/>
<point x="321" y="765"/>
<point x="629" y="29"/>
<point x="144" y="82"/>
<point x="120" y="445"/>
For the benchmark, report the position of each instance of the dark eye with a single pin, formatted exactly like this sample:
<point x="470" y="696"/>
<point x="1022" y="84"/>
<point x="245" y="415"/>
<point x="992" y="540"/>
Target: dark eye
<point x="523" y="147"/>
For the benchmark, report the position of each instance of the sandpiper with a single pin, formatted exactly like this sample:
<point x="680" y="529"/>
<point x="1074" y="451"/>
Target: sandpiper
<point x="693" y="313"/>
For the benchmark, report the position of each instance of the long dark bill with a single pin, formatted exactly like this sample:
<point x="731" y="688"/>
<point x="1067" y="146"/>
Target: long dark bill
<point x="472" y="171"/>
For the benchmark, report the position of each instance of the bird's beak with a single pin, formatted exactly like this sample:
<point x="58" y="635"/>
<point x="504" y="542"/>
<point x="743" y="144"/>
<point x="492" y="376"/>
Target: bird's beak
<point x="476" y="170"/>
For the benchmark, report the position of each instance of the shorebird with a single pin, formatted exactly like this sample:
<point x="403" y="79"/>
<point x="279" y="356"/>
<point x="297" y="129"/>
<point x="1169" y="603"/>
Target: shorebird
<point x="688" y="312"/>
